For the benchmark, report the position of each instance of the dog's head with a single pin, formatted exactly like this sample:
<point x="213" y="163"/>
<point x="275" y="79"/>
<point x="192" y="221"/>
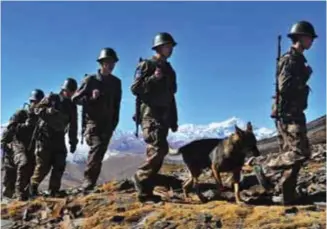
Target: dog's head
<point x="247" y="139"/>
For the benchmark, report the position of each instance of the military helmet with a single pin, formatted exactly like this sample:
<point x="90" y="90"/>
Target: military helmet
<point x="302" y="28"/>
<point x="107" y="53"/>
<point x="70" y="84"/>
<point x="163" y="38"/>
<point x="36" y="95"/>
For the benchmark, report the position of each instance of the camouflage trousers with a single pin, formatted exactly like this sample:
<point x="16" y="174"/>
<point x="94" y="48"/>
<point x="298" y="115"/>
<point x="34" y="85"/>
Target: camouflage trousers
<point x="280" y="137"/>
<point x="98" y="141"/>
<point x="9" y="175"/>
<point x="296" y="146"/>
<point x="155" y="136"/>
<point x="25" y="163"/>
<point x="50" y="155"/>
<point x="18" y="170"/>
<point x="296" y="150"/>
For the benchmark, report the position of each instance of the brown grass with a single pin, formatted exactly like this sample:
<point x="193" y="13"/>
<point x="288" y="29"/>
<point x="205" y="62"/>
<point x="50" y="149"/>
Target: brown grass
<point x="99" y="208"/>
<point x="99" y="214"/>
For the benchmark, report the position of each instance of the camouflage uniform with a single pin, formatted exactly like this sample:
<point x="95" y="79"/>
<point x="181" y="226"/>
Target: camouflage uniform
<point x="158" y="113"/>
<point x="20" y="163"/>
<point x="56" y="113"/>
<point x="293" y="74"/>
<point x="8" y="165"/>
<point x="293" y="101"/>
<point x="101" y="117"/>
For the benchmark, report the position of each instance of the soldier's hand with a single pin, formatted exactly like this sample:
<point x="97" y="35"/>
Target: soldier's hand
<point x="72" y="148"/>
<point x="29" y="122"/>
<point x="174" y="128"/>
<point x="95" y="94"/>
<point x="309" y="70"/>
<point x="158" y="73"/>
<point x="51" y="110"/>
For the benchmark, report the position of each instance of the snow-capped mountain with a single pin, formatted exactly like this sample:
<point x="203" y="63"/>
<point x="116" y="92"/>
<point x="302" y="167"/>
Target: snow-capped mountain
<point x="125" y="142"/>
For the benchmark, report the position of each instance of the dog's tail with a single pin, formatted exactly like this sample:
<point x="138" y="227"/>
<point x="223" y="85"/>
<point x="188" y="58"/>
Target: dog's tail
<point x="174" y="152"/>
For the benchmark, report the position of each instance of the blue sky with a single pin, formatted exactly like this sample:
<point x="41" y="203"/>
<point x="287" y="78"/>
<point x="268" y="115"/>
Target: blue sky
<point x="225" y="58"/>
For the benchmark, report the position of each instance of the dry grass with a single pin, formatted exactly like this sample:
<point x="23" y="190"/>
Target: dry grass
<point x="314" y="166"/>
<point x="168" y="168"/>
<point x="98" y="210"/>
<point x="230" y="215"/>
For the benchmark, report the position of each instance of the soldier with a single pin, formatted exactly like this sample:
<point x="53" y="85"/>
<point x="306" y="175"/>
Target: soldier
<point x="293" y="74"/>
<point x="56" y="113"/>
<point x="19" y="151"/>
<point x="155" y="86"/>
<point x="100" y="96"/>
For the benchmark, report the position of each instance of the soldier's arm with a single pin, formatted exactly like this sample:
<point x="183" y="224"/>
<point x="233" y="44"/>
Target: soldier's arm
<point x="11" y="129"/>
<point x="174" y="83"/>
<point x="173" y="114"/>
<point x="117" y="102"/>
<point x="144" y="82"/>
<point x="80" y="96"/>
<point x="44" y="107"/>
<point x="173" y="110"/>
<point x="286" y="79"/>
<point x="6" y="138"/>
<point x="19" y="122"/>
<point x="73" y="126"/>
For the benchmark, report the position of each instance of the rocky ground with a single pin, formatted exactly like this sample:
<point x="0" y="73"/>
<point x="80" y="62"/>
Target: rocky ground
<point x="114" y="204"/>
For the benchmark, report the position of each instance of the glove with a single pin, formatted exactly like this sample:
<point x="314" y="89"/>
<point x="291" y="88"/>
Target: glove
<point x="174" y="128"/>
<point x="72" y="148"/>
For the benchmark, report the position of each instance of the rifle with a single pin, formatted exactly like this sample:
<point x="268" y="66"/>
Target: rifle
<point x="35" y="131"/>
<point x="75" y="98"/>
<point x="276" y="97"/>
<point x="137" y="107"/>
<point x="83" y="124"/>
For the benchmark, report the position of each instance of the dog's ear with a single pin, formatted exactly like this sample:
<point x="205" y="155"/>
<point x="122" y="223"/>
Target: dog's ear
<point x="238" y="131"/>
<point x="249" y="127"/>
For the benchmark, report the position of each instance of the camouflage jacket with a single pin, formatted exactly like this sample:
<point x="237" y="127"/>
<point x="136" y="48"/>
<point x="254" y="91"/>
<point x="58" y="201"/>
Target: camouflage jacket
<point x="58" y="115"/>
<point x="157" y="96"/>
<point x="104" y="110"/>
<point x="293" y="74"/>
<point x="19" y="129"/>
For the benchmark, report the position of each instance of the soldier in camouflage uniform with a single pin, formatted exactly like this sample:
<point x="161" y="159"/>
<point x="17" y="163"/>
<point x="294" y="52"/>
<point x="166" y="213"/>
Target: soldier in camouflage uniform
<point x="155" y="86"/>
<point x="19" y="158"/>
<point x="57" y="115"/>
<point x="100" y="96"/>
<point x="293" y="74"/>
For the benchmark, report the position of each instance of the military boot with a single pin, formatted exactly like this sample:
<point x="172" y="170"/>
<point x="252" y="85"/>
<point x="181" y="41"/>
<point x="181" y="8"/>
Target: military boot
<point x="33" y="190"/>
<point x="262" y="179"/>
<point x="8" y="192"/>
<point x="21" y="197"/>
<point x="144" y="190"/>
<point x="87" y="187"/>
<point x="53" y="193"/>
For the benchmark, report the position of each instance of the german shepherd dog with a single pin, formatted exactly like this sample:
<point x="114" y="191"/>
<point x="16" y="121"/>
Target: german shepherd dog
<point x="220" y="155"/>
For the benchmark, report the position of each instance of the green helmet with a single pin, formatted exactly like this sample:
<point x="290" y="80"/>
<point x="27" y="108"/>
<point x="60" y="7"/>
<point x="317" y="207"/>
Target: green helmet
<point x="302" y="28"/>
<point x="107" y="53"/>
<point x="36" y="95"/>
<point x="70" y="84"/>
<point x="163" y="38"/>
